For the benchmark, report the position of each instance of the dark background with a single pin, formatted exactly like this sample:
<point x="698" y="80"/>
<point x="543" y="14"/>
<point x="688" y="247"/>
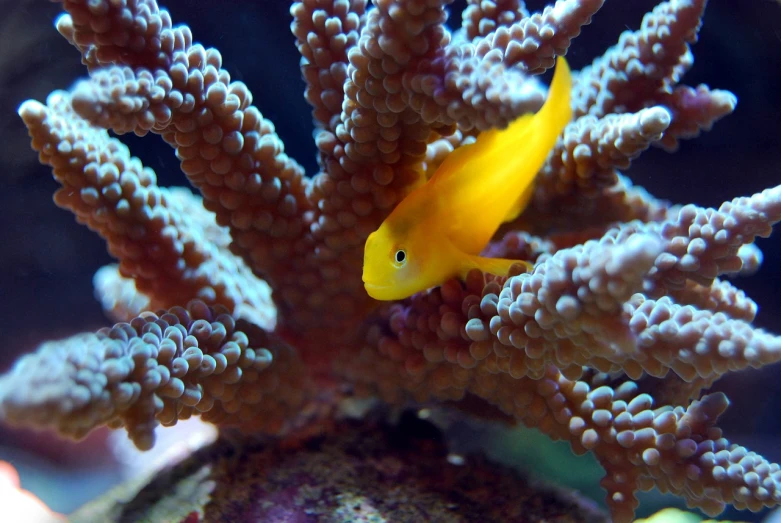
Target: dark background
<point x="47" y="260"/>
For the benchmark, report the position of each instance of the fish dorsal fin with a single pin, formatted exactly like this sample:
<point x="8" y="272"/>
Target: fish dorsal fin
<point x="465" y="154"/>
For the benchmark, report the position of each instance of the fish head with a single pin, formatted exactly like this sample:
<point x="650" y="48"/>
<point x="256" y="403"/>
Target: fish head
<point x="391" y="265"/>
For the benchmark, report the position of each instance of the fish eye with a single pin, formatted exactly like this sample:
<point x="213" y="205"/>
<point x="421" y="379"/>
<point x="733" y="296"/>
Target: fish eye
<point x="401" y="257"/>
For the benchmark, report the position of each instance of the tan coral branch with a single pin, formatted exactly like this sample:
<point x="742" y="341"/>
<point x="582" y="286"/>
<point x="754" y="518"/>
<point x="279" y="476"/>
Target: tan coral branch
<point x="153" y="232"/>
<point x="157" y="369"/>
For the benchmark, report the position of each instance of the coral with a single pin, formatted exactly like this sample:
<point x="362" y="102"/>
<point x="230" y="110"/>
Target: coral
<point x="162" y="237"/>
<point x="626" y="289"/>
<point x="353" y="471"/>
<point x="162" y="368"/>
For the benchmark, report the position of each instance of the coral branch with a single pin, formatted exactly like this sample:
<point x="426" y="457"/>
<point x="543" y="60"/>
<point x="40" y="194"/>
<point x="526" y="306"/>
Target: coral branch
<point x="156" y="79"/>
<point x="324" y="33"/>
<point x="481" y="18"/>
<point x="157" y="369"/>
<point x="158" y="239"/>
<point x="648" y="61"/>
<point x="678" y="450"/>
<point x="585" y="159"/>
<point x="484" y="83"/>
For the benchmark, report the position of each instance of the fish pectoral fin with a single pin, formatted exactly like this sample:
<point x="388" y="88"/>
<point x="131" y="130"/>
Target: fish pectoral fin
<point x="495" y="266"/>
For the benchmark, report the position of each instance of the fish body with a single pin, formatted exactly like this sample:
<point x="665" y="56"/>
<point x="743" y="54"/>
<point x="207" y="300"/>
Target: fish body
<point x="439" y="229"/>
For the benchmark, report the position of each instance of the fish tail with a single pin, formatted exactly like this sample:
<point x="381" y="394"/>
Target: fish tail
<point x="557" y="112"/>
<point x="532" y="137"/>
<point x="541" y="129"/>
<point x="495" y="266"/>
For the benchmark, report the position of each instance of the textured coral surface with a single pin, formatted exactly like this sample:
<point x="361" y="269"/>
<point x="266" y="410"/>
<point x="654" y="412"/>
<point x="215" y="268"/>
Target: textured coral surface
<point x="609" y="343"/>
<point x="354" y="471"/>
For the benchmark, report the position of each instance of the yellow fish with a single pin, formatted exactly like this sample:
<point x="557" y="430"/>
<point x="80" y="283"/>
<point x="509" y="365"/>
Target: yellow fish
<point x="439" y="229"/>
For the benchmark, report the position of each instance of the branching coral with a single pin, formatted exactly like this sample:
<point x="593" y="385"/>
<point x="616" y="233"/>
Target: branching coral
<point x="625" y="287"/>
<point x="158" y="368"/>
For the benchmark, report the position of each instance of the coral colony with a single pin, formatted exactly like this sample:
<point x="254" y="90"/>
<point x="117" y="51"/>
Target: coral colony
<point x="624" y="286"/>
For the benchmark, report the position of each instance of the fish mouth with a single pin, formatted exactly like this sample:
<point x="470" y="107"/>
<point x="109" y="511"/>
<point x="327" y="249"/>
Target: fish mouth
<point x="374" y="286"/>
<point x="372" y="289"/>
